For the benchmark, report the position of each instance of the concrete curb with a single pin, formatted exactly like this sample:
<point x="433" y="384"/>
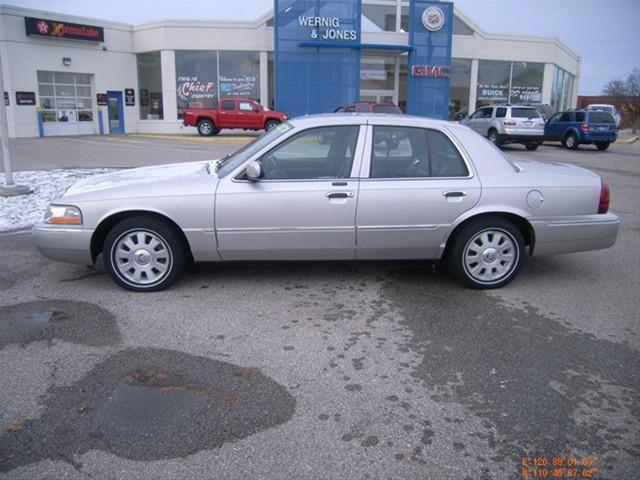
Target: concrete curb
<point x="627" y="141"/>
<point x="183" y="138"/>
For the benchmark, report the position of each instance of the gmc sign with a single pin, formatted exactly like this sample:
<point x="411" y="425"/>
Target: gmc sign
<point x="433" y="71"/>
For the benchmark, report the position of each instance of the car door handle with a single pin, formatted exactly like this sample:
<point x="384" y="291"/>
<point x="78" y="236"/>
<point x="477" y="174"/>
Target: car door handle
<point x="454" y="193"/>
<point x="339" y="195"/>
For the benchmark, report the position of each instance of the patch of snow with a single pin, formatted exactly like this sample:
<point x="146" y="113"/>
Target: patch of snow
<point x="23" y="211"/>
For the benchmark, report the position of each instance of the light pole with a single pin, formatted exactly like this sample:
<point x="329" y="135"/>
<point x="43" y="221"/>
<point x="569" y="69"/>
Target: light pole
<point x="9" y="188"/>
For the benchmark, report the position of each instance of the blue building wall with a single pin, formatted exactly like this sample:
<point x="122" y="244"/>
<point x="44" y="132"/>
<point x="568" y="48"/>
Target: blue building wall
<point x="317" y="55"/>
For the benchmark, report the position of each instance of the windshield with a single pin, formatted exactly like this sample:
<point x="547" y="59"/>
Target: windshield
<point x="234" y="160"/>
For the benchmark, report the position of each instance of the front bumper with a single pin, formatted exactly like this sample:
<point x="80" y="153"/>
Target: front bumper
<point x="63" y="244"/>
<point x="575" y="234"/>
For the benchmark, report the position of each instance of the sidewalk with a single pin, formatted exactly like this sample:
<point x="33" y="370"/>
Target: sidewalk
<point x="626" y="136"/>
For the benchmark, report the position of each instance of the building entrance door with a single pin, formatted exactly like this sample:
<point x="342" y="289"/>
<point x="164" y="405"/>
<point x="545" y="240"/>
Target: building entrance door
<point x="116" y="112"/>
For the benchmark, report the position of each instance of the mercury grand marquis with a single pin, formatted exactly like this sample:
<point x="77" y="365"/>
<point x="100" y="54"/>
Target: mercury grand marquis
<point x="334" y="187"/>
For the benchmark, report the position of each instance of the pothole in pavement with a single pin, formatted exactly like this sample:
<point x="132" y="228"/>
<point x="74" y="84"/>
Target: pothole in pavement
<point x="75" y="322"/>
<point x="149" y="404"/>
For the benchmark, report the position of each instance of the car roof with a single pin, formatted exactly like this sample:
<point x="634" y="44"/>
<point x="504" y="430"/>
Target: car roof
<point x="363" y="118"/>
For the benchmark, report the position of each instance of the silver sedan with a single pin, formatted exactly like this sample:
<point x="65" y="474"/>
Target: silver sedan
<point x="334" y="187"/>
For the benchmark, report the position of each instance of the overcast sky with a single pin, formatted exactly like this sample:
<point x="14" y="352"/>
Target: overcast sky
<point x="606" y="34"/>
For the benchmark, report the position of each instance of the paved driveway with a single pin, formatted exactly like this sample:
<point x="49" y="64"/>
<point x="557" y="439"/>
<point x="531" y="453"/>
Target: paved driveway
<point x="325" y="370"/>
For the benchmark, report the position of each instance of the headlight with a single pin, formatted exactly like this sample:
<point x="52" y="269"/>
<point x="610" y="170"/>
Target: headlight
<point x="63" y="215"/>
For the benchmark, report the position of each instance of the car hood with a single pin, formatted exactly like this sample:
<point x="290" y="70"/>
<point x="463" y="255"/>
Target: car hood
<point x="166" y="180"/>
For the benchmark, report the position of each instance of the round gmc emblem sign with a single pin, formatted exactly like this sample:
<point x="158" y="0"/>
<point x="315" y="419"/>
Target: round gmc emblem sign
<point x="433" y="19"/>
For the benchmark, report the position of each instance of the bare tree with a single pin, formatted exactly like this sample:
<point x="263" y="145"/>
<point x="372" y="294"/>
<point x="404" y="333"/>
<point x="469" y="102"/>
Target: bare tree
<point x="627" y="92"/>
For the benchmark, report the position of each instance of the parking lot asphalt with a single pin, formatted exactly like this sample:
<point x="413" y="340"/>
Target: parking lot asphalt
<point x="374" y="370"/>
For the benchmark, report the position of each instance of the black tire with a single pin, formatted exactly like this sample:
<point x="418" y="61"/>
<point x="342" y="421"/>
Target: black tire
<point x="271" y="124"/>
<point x="206" y="128"/>
<point x="602" y="146"/>
<point x="492" y="135"/>
<point x="531" y="146"/>
<point x="571" y="141"/>
<point x="157" y="265"/>
<point x="485" y="272"/>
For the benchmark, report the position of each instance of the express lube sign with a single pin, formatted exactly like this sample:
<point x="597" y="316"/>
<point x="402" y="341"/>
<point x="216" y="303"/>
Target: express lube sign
<point x="326" y="28"/>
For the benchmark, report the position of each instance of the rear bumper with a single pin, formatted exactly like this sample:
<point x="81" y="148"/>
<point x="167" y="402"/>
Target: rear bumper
<point x="575" y="234"/>
<point x="64" y="244"/>
<point x="534" y="137"/>
<point x="594" y="137"/>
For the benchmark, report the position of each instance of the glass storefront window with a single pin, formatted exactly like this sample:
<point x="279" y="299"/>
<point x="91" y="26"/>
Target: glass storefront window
<point x="459" y="90"/>
<point x="509" y="82"/>
<point x="150" y="85"/>
<point x="378" y="18"/>
<point x="196" y="79"/>
<point x="561" y="89"/>
<point x="204" y="76"/>
<point x="240" y="74"/>
<point x="376" y="72"/>
<point x="65" y="97"/>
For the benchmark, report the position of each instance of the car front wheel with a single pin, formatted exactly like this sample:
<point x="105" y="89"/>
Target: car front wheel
<point x="487" y="253"/>
<point x="144" y="254"/>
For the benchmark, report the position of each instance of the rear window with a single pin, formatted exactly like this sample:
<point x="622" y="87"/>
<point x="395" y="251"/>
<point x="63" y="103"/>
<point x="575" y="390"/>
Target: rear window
<point x="386" y="109"/>
<point x="524" y="113"/>
<point x="600" y="117"/>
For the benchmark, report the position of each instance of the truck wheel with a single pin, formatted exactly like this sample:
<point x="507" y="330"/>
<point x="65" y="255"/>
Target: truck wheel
<point x="531" y="146"/>
<point x="493" y="137"/>
<point x="206" y="128"/>
<point x="602" y="146"/>
<point x="487" y="253"/>
<point x="271" y="124"/>
<point x="571" y="141"/>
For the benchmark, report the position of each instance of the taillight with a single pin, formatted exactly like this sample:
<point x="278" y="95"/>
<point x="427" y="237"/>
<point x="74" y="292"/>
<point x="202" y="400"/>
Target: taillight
<point x="507" y="123"/>
<point x="603" y="206"/>
<point x="584" y="127"/>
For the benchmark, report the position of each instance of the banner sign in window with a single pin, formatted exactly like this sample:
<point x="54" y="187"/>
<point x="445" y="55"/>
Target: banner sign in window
<point x="129" y="97"/>
<point x="25" y="98"/>
<point x="39" y="27"/>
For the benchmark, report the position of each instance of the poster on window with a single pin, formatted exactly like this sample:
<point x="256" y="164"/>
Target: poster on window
<point x="239" y="86"/>
<point x="492" y="92"/>
<point x="194" y="92"/>
<point x="526" y="94"/>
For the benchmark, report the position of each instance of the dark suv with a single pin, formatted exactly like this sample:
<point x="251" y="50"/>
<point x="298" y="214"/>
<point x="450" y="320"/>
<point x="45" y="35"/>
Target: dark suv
<point x="582" y="126"/>
<point x="369" y="107"/>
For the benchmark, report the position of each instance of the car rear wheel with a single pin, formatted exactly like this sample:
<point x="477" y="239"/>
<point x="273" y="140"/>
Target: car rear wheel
<point x="571" y="141"/>
<point x="143" y="254"/>
<point x="602" y="146"/>
<point x="206" y="128"/>
<point x="493" y="137"/>
<point x="271" y="124"/>
<point x="487" y="253"/>
<point x="531" y="146"/>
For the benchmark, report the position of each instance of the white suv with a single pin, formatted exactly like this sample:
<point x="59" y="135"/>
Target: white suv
<point x="606" y="108"/>
<point x="508" y="124"/>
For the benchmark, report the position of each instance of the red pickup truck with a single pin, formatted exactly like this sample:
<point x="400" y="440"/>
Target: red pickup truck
<point x="232" y="113"/>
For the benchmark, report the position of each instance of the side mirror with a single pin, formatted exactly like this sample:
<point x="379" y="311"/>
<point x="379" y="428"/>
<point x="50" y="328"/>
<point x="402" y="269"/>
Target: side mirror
<point x="253" y="171"/>
<point x="256" y="110"/>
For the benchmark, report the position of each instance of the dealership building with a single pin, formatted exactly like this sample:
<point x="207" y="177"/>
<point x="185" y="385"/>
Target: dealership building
<point x="67" y="75"/>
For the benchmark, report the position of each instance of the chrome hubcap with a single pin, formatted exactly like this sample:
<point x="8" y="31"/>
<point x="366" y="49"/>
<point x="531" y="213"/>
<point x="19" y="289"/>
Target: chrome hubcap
<point x="141" y="257"/>
<point x="204" y="128"/>
<point x="490" y="256"/>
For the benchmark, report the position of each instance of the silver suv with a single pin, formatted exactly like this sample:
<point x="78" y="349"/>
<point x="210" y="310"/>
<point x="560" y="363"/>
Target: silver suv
<point x="508" y="124"/>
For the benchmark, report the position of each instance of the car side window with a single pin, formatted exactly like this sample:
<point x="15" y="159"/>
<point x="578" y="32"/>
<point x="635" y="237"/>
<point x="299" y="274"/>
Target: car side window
<point x="555" y="118"/>
<point x="245" y="107"/>
<point x="316" y="153"/>
<point x="228" y="104"/>
<point x="482" y="113"/>
<point x="501" y="112"/>
<point x="565" y="117"/>
<point x="580" y="116"/>
<point x="409" y="152"/>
